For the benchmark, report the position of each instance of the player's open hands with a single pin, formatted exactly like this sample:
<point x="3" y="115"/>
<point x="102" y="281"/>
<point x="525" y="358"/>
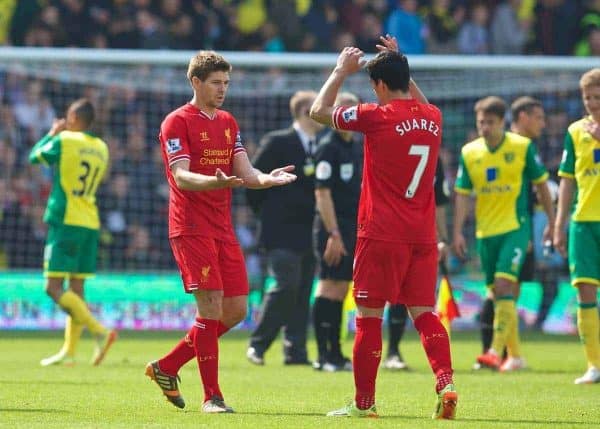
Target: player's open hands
<point x="282" y="176"/>
<point x="350" y="60"/>
<point x="58" y="125"/>
<point x="388" y="43"/>
<point x="225" y="181"/>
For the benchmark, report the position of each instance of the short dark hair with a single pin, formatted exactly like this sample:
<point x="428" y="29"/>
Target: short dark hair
<point x="491" y="105"/>
<point x="524" y="104"/>
<point x="391" y="68"/>
<point x="204" y="63"/>
<point x="84" y="110"/>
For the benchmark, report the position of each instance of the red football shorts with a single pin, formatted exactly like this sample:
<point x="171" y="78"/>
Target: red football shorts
<point x="209" y="264"/>
<point x="397" y="273"/>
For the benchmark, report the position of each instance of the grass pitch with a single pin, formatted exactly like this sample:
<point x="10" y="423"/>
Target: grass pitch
<point x="117" y="395"/>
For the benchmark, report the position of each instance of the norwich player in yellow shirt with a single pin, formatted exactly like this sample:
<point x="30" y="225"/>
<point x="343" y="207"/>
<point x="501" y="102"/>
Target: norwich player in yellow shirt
<point x="580" y="176"/>
<point x="497" y="169"/>
<point x="79" y="162"/>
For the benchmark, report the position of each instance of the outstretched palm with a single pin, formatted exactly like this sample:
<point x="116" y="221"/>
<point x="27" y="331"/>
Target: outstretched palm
<point x="282" y="176"/>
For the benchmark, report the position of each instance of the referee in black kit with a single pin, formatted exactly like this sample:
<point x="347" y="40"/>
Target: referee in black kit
<point x="337" y="190"/>
<point x="286" y="217"/>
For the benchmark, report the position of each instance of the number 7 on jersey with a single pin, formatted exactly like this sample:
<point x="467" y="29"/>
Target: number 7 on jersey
<point x="422" y="152"/>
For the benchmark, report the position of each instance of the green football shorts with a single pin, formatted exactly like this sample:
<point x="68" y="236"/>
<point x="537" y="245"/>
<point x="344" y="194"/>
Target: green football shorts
<point x="70" y="251"/>
<point x="584" y="252"/>
<point x="503" y="255"/>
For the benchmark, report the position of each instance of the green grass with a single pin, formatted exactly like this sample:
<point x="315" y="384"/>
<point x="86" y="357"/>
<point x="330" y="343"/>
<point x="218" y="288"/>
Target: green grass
<point x="117" y="394"/>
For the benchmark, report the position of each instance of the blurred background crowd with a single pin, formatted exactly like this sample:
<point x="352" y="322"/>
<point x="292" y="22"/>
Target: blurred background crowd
<point x="133" y="201"/>
<point x="545" y="27"/>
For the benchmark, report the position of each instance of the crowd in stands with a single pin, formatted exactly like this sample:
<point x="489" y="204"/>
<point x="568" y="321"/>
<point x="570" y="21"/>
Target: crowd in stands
<point x="133" y="201"/>
<point x="546" y="27"/>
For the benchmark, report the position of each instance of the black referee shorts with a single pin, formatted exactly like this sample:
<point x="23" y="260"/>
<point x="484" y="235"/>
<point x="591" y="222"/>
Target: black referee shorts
<point x="342" y="271"/>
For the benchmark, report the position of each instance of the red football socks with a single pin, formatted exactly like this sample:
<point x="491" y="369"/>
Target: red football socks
<point x="221" y="329"/>
<point x="183" y="352"/>
<point x="207" y="354"/>
<point x="366" y="359"/>
<point x="437" y="347"/>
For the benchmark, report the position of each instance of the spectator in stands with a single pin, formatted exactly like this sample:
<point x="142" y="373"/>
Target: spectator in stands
<point x="473" y="37"/>
<point x="10" y="132"/>
<point x="371" y="28"/>
<point x="8" y="158"/>
<point x="509" y="33"/>
<point x="179" y="25"/>
<point x="589" y="25"/>
<point x="151" y="31"/>
<point x="122" y="32"/>
<point x="140" y="252"/>
<point x="116" y="211"/>
<point x="76" y="20"/>
<point x="556" y="27"/>
<point x="35" y="114"/>
<point x="322" y="22"/>
<point x="271" y="37"/>
<point x="406" y="25"/>
<point x="443" y="23"/>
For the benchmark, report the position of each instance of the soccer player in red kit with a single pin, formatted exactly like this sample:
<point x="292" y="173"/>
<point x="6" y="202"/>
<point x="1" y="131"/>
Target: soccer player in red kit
<point x="396" y="251"/>
<point x="204" y="158"/>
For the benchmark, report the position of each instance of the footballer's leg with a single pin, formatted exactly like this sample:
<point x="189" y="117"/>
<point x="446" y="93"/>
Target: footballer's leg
<point x="418" y="294"/>
<point x="66" y="354"/>
<point x="588" y="326"/>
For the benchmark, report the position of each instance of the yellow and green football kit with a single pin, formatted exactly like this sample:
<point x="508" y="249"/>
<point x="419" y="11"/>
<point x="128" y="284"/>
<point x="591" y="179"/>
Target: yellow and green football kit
<point x="581" y="162"/>
<point x="499" y="179"/>
<point x="80" y="161"/>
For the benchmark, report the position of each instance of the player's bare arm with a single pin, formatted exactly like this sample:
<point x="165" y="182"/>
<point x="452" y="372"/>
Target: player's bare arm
<point x="442" y="232"/>
<point x="543" y="194"/>
<point x="389" y="43"/>
<point x="565" y="197"/>
<point x="334" y="248"/>
<point x="349" y="62"/>
<point x="461" y="210"/>
<point x="187" y="180"/>
<point x="255" y="179"/>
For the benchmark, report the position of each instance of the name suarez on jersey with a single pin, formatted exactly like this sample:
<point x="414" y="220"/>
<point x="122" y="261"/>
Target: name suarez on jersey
<point x="417" y="124"/>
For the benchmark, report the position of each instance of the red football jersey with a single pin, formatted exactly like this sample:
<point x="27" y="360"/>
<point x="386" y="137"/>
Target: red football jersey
<point x="208" y="142"/>
<point x="402" y="141"/>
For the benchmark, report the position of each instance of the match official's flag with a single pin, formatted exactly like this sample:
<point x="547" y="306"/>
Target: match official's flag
<point x="446" y="306"/>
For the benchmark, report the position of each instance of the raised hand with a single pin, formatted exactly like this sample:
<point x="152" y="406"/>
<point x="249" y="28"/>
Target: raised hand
<point x="58" y="125"/>
<point x="350" y="60"/>
<point x="593" y="128"/>
<point x="282" y="176"/>
<point x="388" y="43"/>
<point x="225" y="181"/>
